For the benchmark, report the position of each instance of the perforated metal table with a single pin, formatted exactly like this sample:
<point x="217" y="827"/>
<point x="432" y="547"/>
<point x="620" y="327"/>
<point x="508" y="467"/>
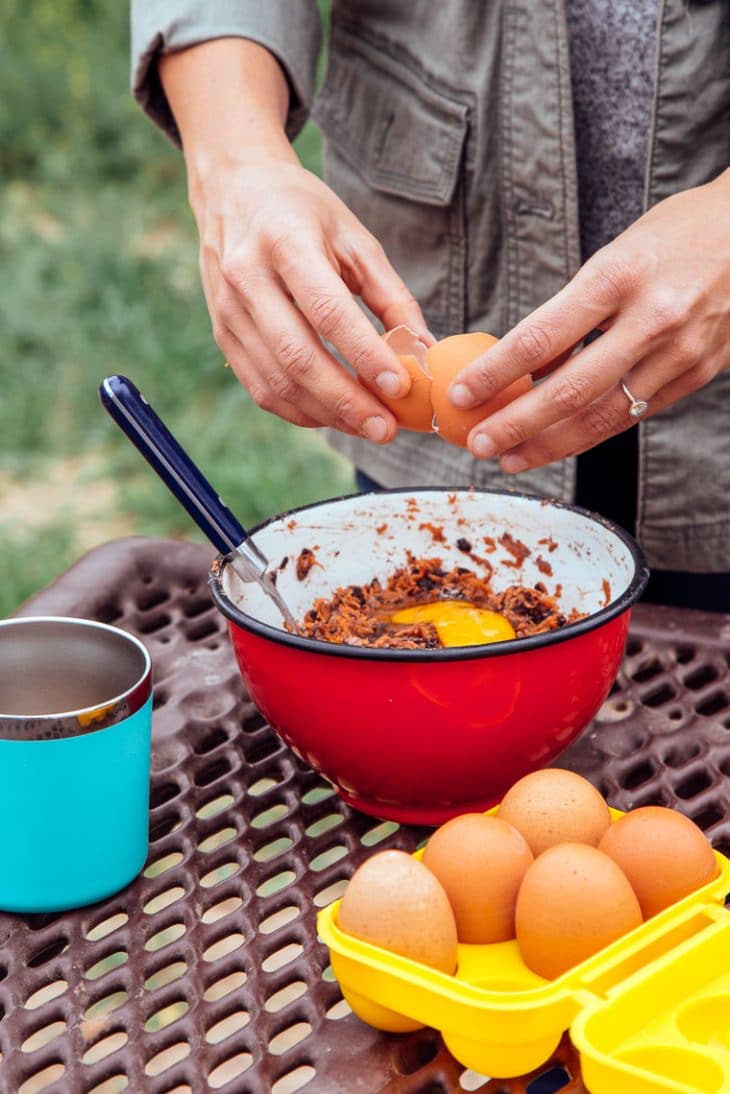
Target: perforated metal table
<point x="206" y="973"/>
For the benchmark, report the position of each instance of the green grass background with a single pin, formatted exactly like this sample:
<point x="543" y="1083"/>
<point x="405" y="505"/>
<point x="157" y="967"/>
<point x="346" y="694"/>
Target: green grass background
<point x="98" y="252"/>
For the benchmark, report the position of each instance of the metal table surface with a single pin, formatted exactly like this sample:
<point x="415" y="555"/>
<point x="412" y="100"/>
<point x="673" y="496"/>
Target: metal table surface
<point x="206" y="973"/>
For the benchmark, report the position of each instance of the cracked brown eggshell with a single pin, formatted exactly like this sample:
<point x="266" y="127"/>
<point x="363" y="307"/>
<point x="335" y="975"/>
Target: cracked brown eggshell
<point x="427" y="407"/>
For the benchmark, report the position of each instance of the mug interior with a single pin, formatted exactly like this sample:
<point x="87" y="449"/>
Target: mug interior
<point x="53" y="667"/>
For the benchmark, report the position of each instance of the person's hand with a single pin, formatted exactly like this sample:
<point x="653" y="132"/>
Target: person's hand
<point x="660" y="291"/>
<point x="281" y="256"/>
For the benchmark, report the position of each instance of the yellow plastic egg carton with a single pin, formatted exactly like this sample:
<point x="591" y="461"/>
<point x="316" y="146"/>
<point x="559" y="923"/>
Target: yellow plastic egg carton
<point x="649" y="1014"/>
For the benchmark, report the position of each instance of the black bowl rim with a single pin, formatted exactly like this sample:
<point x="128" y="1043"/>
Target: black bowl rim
<point x="453" y="653"/>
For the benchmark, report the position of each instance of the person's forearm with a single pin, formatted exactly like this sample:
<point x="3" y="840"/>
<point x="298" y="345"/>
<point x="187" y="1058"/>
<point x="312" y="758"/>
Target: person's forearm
<point x="230" y="99"/>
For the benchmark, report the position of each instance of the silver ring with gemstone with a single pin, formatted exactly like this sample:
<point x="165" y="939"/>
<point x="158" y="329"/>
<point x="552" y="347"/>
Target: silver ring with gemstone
<point x="637" y="407"/>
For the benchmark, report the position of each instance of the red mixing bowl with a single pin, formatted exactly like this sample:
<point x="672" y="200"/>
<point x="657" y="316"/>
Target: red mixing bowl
<point x="418" y="736"/>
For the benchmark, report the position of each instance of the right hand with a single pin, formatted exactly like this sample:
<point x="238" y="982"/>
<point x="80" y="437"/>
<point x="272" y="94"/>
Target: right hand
<point x="280" y="258"/>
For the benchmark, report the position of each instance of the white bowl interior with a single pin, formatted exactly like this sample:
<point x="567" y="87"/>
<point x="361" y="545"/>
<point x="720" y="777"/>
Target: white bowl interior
<point x="357" y="539"/>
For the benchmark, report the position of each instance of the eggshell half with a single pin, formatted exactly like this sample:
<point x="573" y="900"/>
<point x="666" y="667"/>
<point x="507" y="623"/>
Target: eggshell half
<point x="414" y="410"/>
<point x="427" y="407"/>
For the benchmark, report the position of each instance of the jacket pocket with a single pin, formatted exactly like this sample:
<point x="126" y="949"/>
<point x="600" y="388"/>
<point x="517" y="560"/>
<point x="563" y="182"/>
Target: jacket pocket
<point x="393" y="152"/>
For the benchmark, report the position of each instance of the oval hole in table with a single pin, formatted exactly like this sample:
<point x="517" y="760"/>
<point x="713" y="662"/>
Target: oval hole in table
<point x="289" y="1037"/>
<point x="106" y="965"/>
<point x="286" y="995"/>
<point x="105" y="1006"/>
<point x="228" y="944"/>
<point x="219" y="989"/>
<point x="166" y="1016"/>
<point x="168" y="974"/>
<point x="227" y="1026"/>
<point x="115" y="1084"/>
<point x="279" y="919"/>
<point x="107" y="926"/>
<point x="230" y="1069"/>
<point x="294" y="1080"/>
<point x="282" y="957"/>
<point x="45" y="994"/>
<point x="219" y="874"/>
<point x="222" y="909"/>
<point x="165" y="936"/>
<point x="43" y="1036"/>
<point x="42" y="1079"/>
<point x="166" y="1059"/>
<point x="214" y="806"/>
<point x="217" y="839"/>
<point x="105" y="1047"/>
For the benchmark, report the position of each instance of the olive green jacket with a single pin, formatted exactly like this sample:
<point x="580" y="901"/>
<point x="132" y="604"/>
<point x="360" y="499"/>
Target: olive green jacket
<point x="449" y="133"/>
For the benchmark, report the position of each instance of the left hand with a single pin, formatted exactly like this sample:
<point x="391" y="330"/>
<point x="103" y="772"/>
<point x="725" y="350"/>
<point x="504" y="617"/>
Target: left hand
<point x="660" y="290"/>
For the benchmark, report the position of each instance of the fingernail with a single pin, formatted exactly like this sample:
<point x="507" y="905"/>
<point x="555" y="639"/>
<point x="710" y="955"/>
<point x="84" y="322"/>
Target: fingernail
<point x="461" y="396"/>
<point x="513" y="464"/>
<point x="483" y="447"/>
<point x="389" y="383"/>
<point x="375" y="429"/>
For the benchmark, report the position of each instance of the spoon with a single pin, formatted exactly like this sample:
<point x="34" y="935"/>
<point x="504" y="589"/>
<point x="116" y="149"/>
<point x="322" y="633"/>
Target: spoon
<point x="149" y="434"/>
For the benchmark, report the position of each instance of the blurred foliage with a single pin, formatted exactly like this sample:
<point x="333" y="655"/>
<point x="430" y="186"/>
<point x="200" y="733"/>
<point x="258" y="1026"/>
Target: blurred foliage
<point x="99" y="253"/>
<point x="66" y="116"/>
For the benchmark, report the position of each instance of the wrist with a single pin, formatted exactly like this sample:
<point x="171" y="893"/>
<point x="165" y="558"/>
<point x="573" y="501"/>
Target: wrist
<point x="210" y="160"/>
<point x="230" y="98"/>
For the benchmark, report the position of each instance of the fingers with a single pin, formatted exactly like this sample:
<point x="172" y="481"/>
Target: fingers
<point x="613" y="291"/>
<point x="369" y="274"/>
<point x="606" y="417"/>
<point x="297" y="369"/>
<point x="327" y="304"/>
<point x="587" y="302"/>
<point x="251" y="365"/>
<point x="545" y="370"/>
<point x="653" y="380"/>
<point x="565" y="392"/>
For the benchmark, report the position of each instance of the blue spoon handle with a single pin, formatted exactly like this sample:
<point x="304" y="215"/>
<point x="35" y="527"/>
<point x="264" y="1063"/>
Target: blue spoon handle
<point x="135" y="417"/>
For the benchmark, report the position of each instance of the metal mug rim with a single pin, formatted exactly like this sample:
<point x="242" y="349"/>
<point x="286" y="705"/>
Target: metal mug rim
<point x="82" y="720"/>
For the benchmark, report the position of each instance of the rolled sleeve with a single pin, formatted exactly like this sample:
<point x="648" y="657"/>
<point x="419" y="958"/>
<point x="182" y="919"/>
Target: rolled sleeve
<point x="291" y="31"/>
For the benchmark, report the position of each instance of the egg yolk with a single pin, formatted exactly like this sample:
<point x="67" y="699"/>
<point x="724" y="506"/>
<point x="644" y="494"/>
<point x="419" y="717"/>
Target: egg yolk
<point x="458" y="622"/>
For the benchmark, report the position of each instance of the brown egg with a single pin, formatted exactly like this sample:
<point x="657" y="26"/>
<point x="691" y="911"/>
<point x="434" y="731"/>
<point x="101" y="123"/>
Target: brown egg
<point x="412" y="411"/>
<point x="393" y="901"/>
<point x="573" y="901"/>
<point x="555" y="806"/>
<point x="431" y="372"/>
<point x="445" y="360"/>
<point x="480" y="861"/>
<point x="664" y="855"/>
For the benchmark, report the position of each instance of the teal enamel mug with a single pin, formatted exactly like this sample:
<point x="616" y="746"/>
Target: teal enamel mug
<point x="75" y="731"/>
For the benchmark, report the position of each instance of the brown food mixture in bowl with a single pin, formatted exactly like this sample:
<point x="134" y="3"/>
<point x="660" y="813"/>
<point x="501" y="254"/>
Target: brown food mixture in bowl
<point x="361" y="615"/>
